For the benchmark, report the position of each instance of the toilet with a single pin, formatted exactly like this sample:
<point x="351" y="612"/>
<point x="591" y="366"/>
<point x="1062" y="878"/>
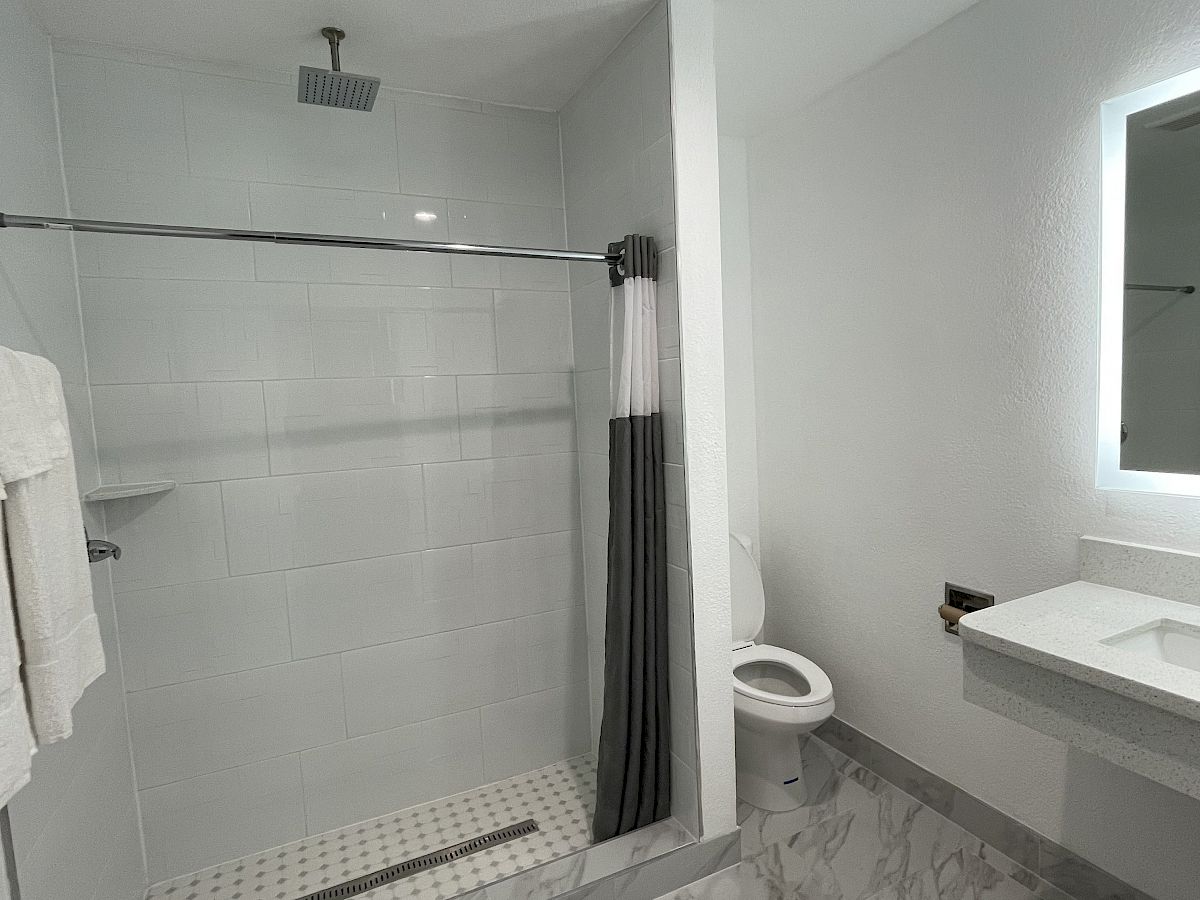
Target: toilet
<point x="778" y="696"/>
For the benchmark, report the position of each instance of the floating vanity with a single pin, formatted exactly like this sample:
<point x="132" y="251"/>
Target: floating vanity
<point x="1112" y="671"/>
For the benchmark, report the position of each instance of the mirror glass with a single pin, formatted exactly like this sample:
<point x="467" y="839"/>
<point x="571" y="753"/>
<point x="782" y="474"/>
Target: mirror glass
<point x="1160" y="366"/>
<point x="1150" y="322"/>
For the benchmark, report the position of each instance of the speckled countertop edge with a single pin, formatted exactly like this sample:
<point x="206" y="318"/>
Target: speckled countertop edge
<point x="1061" y="629"/>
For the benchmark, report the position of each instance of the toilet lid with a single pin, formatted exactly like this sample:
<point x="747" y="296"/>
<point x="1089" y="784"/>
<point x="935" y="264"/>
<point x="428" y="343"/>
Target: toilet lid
<point x="748" y="603"/>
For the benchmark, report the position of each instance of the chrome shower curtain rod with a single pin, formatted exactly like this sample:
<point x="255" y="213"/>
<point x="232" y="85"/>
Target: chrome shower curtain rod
<point x="8" y="220"/>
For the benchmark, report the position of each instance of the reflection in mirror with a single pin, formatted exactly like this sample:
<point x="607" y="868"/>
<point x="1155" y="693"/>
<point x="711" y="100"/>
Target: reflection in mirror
<point x="1149" y="409"/>
<point x="1160" y="384"/>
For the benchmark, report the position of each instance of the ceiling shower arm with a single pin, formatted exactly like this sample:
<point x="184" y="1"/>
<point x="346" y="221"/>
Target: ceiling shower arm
<point x="335" y="36"/>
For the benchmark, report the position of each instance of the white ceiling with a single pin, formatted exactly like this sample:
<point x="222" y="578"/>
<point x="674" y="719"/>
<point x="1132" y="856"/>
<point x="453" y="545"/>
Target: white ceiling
<point x="776" y="56"/>
<point x="524" y="52"/>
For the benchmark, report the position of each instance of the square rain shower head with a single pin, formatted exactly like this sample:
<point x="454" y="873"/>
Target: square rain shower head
<point x="338" y="89"/>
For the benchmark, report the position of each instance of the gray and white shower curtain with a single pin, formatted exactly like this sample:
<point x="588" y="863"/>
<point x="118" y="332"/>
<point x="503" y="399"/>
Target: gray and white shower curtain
<point x="633" y="777"/>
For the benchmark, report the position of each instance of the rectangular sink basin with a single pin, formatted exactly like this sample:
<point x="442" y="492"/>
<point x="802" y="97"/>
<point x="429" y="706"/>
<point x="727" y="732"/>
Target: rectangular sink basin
<point x="1165" y="640"/>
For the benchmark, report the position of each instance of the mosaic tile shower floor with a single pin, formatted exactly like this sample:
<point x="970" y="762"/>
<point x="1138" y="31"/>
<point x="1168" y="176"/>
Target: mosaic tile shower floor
<point x="559" y="797"/>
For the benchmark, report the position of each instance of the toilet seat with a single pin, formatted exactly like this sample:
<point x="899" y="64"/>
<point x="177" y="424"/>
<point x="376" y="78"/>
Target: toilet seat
<point x="820" y="688"/>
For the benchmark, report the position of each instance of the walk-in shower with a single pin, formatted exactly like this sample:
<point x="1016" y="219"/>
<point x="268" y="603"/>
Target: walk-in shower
<point x="349" y="384"/>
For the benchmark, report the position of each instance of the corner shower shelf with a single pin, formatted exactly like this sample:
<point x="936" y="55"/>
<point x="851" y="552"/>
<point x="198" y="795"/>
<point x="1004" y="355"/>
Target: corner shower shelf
<point x="121" y="491"/>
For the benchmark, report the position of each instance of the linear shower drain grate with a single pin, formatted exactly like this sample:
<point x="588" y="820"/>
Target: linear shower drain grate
<point x="421" y="863"/>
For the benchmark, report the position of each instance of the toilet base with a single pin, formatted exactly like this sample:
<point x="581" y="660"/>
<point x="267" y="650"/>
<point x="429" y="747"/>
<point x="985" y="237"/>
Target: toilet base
<point x="770" y="774"/>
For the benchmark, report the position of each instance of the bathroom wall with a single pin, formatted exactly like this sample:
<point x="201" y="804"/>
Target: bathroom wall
<point x="366" y="591"/>
<point x="75" y="825"/>
<point x="618" y="176"/>
<point x="740" y="419"/>
<point x="925" y="273"/>
<point x="1160" y="404"/>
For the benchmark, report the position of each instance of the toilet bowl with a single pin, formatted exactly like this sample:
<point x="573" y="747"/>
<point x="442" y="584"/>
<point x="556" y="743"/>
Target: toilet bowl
<point x="778" y="696"/>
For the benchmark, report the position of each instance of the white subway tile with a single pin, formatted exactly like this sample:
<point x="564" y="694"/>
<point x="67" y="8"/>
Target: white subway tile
<point x="190" y="631"/>
<point x="685" y="802"/>
<point x="323" y="265"/>
<point x="505" y="223"/>
<point x="157" y="331"/>
<point x="528" y="732"/>
<point x="486" y="500"/>
<point x="523" y="113"/>
<point x="593" y="410"/>
<point x="196" y="727"/>
<point x="653" y="196"/>
<point x="281" y="207"/>
<point x="118" y="115"/>
<point x="138" y="195"/>
<point x="478" y="155"/>
<point x="172" y="538"/>
<point x="526" y="575"/>
<point x="671" y="397"/>
<point x="370" y="330"/>
<point x="668" y="306"/>
<point x="653" y="61"/>
<point x="395" y="684"/>
<point x="357" y="423"/>
<point x="552" y="649"/>
<point x="513" y="274"/>
<point x="96" y="821"/>
<point x="206" y="820"/>
<point x="680" y="684"/>
<point x="595" y="569"/>
<point x="256" y="131"/>
<point x="593" y="489"/>
<point x="591" y="323"/>
<point x="677" y="531"/>
<point x="679" y="617"/>
<point x="377" y="774"/>
<point x="123" y="256"/>
<point x="533" y="331"/>
<point x="515" y="415"/>
<point x="447" y="152"/>
<point x="288" y="521"/>
<point x="346" y="606"/>
<point x="181" y="432"/>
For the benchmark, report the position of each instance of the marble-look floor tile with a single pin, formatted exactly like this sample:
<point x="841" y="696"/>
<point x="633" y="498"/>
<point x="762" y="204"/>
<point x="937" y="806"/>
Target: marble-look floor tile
<point x="863" y="851"/>
<point x="831" y="791"/>
<point x="741" y="882"/>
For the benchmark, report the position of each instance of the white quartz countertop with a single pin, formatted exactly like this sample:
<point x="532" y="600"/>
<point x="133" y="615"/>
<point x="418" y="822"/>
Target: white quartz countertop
<point x="1062" y="629"/>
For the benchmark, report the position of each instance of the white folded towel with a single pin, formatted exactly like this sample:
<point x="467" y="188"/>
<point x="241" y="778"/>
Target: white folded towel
<point x="59" y="636"/>
<point x="16" y="738"/>
<point x="32" y="436"/>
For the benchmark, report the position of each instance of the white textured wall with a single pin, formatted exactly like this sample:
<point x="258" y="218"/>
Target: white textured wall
<point x="617" y="170"/>
<point x="741" y="429"/>
<point x="75" y="826"/>
<point x="366" y="592"/>
<point x="925" y="306"/>
<point x="698" y="235"/>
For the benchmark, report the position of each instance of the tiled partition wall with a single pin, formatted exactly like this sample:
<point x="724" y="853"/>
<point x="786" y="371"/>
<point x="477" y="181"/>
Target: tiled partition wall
<point x="75" y="825"/>
<point x="618" y="175"/>
<point x="365" y="592"/>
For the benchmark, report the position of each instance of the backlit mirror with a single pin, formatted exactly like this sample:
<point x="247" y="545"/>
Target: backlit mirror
<point x="1150" y="305"/>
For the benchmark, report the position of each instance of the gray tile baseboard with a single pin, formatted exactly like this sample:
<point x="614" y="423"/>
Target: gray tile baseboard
<point x="1053" y="863"/>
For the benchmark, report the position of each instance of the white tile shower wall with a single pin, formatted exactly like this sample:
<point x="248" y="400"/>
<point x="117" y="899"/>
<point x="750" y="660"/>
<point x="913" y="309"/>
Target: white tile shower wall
<point x="367" y="590"/>
<point x="75" y="825"/>
<point x="617" y="172"/>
